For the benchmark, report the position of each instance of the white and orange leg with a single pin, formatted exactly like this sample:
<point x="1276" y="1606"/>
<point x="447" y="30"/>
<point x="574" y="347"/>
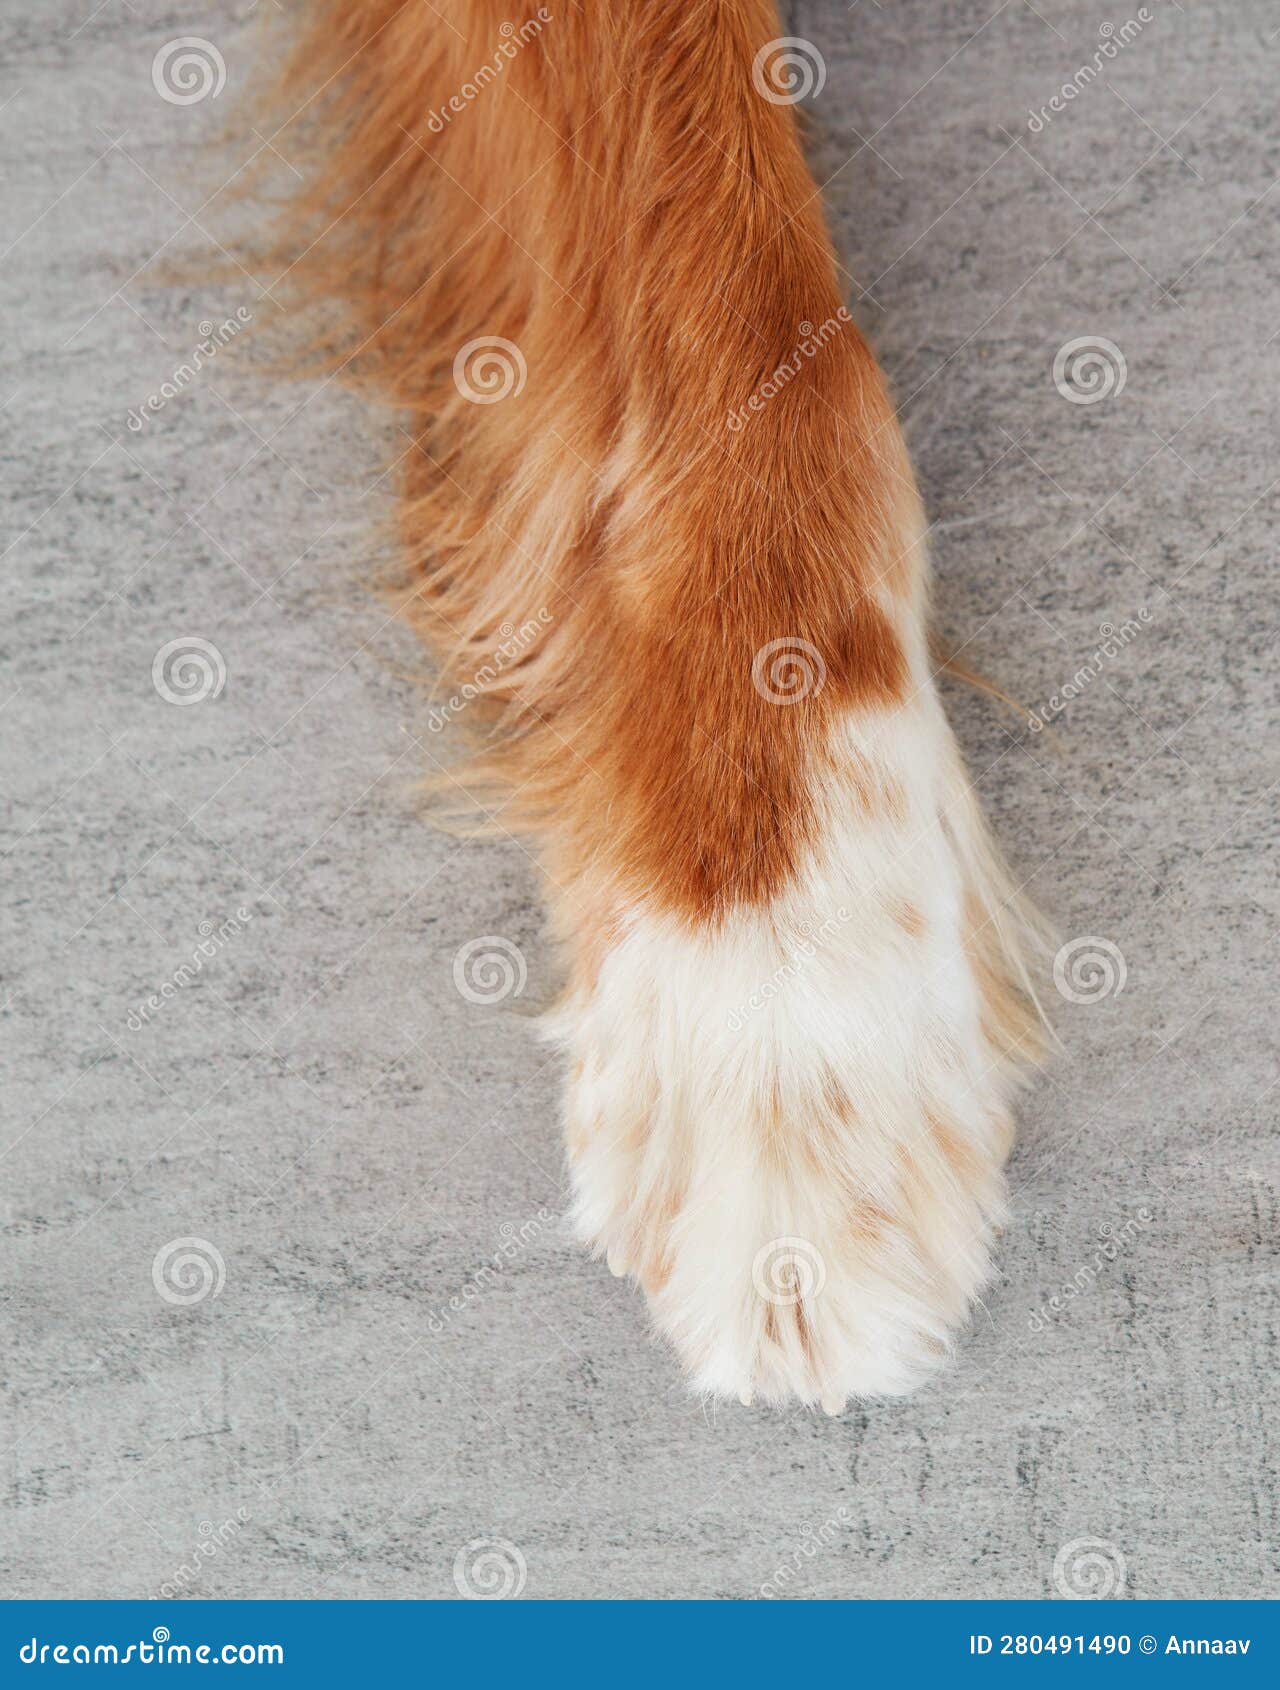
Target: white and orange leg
<point x="596" y="285"/>
<point x="789" y="1122"/>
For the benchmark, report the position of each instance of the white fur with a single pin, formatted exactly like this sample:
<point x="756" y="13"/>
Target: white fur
<point x="705" y="1114"/>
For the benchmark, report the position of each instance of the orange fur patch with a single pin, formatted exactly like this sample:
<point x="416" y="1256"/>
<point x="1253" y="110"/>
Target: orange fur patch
<point x="609" y="491"/>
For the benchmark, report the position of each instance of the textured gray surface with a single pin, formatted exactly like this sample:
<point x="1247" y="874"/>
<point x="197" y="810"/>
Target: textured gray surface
<point x="322" y="1107"/>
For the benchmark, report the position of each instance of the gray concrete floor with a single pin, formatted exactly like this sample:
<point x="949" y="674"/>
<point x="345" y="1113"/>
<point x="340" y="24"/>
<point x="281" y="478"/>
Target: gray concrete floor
<point x="351" y="1140"/>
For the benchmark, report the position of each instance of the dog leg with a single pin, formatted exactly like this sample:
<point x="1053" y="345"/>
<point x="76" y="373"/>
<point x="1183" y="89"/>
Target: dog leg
<point x="583" y="255"/>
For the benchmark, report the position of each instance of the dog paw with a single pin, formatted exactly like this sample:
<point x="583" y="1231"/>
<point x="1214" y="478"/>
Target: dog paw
<point x="789" y="1125"/>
